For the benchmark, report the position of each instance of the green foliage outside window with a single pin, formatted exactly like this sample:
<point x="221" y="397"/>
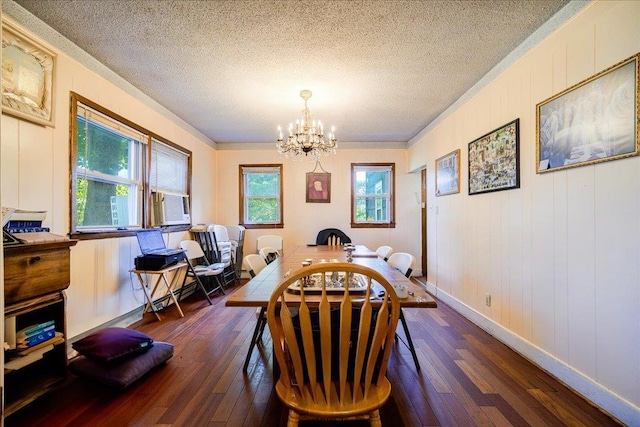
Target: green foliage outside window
<point x="262" y="197"/>
<point x="108" y="154"/>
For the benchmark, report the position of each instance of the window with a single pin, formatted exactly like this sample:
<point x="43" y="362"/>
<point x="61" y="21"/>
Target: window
<point x="372" y="195"/>
<point x="261" y="196"/>
<point x="109" y="187"/>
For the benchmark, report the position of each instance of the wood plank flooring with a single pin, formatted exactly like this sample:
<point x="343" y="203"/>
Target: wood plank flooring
<point x="467" y="378"/>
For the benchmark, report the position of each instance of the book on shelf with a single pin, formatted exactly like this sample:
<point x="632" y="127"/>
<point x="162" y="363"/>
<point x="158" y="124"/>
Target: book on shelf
<point x="44" y="335"/>
<point x="19" y="352"/>
<point x="34" y="329"/>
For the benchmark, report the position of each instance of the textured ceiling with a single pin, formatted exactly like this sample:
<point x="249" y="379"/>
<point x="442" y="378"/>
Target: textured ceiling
<point x="379" y="70"/>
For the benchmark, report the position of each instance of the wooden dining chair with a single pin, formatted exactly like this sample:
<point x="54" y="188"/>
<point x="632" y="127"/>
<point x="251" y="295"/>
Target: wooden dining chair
<point x="333" y="356"/>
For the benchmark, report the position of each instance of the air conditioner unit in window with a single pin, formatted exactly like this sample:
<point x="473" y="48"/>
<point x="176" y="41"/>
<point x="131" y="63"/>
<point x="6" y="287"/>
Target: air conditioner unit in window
<point x="169" y="209"/>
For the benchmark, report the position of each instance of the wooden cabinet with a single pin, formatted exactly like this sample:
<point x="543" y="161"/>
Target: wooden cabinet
<point x="36" y="276"/>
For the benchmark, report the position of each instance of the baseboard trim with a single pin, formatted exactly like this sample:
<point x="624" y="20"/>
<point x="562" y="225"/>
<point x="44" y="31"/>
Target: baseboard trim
<point x="607" y="400"/>
<point x="123" y="321"/>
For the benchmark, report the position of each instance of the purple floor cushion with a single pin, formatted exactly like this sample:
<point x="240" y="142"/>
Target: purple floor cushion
<point x="113" y="343"/>
<point x="122" y="373"/>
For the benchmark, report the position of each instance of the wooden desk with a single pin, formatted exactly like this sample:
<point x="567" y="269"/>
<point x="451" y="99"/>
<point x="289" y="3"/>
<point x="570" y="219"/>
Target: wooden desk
<point x="258" y="290"/>
<point x="162" y="276"/>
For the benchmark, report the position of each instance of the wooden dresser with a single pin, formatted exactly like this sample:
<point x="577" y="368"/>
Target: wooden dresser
<point x="35" y="277"/>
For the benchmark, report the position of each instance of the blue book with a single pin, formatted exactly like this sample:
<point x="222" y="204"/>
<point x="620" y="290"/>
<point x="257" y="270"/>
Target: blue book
<point x="34" y="329"/>
<point x="36" y="339"/>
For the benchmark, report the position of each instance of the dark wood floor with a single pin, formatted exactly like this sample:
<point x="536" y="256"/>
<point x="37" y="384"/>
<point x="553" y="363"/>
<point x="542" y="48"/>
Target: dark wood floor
<point x="468" y="378"/>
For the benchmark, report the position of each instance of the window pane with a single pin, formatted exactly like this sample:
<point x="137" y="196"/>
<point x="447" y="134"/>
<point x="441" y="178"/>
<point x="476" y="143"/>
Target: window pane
<point x="262" y="210"/>
<point x="103" y="150"/>
<point x="372" y="189"/>
<point x="108" y="176"/>
<point x="105" y="204"/>
<point x="261" y="187"/>
<point x="263" y="184"/>
<point x="169" y="169"/>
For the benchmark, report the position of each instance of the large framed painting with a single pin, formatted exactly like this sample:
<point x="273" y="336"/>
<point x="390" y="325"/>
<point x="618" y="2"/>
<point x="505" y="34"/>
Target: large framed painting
<point x="494" y="160"/>
<point x="448" y="174"/>
<point x="593" y="121"/>
<point x="27" y="77"/>
<point x="318" y="187"/>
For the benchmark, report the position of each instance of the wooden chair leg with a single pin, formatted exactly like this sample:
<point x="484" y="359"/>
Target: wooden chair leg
<point x="294" y="418"/>
<point x="374" y="419"/>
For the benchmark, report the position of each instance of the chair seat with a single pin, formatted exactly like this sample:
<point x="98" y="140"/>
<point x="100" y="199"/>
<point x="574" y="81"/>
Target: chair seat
<point x="305" y="405"/>
<point x="210" y="270"/>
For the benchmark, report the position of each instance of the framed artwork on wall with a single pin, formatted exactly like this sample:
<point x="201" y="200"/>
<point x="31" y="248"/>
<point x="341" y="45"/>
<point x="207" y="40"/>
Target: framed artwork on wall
<point x="448" y="174"/>
<point x="27" y="77"/>
<point x="494" y="161"/>
<point x="593" y="121"/>
<point x="318" y="187"/>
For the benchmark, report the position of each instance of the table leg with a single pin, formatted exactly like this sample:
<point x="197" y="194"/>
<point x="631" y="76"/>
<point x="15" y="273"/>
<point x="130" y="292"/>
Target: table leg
<point x="148" y="296"/>
<point x="171" y="295"/>
<point x="409" y="340"/>
<point x="259" y="327"/>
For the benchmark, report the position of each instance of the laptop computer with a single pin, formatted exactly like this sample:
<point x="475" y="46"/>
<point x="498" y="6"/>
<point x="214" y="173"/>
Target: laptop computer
<point x="152" y="243"/>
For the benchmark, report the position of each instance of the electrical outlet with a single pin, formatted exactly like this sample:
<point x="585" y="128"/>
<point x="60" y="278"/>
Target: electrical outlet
<point x="487" y="300"/>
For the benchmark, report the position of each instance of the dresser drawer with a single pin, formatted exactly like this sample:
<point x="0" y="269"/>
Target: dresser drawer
<point x="33" y="273"/>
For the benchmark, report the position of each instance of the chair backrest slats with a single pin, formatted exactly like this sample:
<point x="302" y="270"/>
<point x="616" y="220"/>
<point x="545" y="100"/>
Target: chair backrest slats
<point x="324" y="311"/>
<point x="326" y="338"/>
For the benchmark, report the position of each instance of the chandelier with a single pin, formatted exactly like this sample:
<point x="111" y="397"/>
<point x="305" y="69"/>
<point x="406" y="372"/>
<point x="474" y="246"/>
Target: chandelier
<point x="307" y="136"/>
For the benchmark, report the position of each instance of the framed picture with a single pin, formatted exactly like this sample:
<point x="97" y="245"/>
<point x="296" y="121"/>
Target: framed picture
<point x="593" y="121"/>
<point x="494" y="161"/>
<point x="318" y="187"/>
<point x="448" y="174"/>
<point x="27" y="77"/>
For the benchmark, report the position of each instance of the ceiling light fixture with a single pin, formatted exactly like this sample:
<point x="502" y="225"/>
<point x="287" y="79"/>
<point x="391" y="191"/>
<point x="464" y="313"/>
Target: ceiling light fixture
<point x="307" y="137"/>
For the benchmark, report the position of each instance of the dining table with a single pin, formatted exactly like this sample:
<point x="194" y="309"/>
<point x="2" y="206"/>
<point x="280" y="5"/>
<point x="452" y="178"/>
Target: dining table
<point x="257" y="291"/>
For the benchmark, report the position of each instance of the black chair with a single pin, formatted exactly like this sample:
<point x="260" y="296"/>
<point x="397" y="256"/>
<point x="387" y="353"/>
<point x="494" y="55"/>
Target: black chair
<point x="332" y="236"/>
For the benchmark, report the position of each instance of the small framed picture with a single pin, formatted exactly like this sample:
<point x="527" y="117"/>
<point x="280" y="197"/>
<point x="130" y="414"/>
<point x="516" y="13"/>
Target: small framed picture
<point x="318" y="187"/>
<point x="27" y="77"/>
<point x="448" y="174"/>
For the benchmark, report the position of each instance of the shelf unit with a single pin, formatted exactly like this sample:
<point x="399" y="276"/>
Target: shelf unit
<point x="36" y="276"/>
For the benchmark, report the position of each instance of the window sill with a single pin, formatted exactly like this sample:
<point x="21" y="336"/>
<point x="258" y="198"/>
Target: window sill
<point x="262" y="226"/>
<point x="113" y="234"/>
<point x="372" y="225"/>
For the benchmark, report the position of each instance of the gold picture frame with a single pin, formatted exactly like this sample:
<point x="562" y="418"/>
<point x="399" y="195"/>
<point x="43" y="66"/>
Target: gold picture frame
<point x="448" y="174"/>
<point x="593" y="121"/>
<point x="318" y="187"/>
<point x="28" y="71"/>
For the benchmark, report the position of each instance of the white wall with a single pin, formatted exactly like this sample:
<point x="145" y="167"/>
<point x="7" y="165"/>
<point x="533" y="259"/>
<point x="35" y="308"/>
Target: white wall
<point x="35" y="175"/>
<point x="559" y="256"/>
<point x="302" y="220"/>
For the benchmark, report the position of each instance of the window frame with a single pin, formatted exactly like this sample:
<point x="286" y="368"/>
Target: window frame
<point x="241" y="199"/>
<point x="355" y="167"/>
<point x="145" y="166"/>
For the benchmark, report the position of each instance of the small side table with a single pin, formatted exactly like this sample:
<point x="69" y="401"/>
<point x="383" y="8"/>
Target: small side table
<point x="162" y="276"/>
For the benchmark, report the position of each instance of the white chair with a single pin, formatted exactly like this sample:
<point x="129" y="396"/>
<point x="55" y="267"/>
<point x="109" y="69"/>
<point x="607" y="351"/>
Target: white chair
<point x="270" y="241"/>
<point x="404" y="263"/>
<point x="224" y="252"/>
<point x="384" y="252"/>
<point x="200" y="267"/>
<point x="236" y="237"/>
<point x="269" y="254"/>
<point x="254" y="264"/>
